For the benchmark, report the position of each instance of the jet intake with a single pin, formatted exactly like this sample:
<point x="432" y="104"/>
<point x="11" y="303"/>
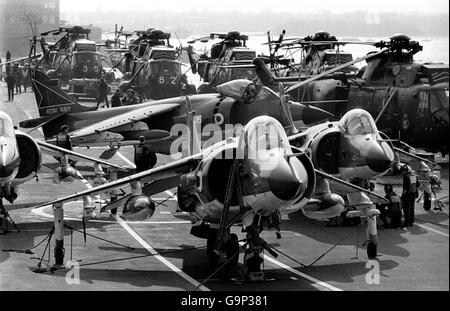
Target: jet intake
<point x="30" y="157"/>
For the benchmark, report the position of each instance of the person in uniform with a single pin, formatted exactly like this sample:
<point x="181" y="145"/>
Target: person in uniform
<point x="63" y="138"/>
<point x="409" y="195"/>
<point x="115" y="99"/>
<point x="8" y="66"/>
<point x="424" y="173"/>
<point x="131" y="98"/>
<point x="102" y="93"/>
<point x="18" y="75"/>
<point x="26" y="78"/>
<point x="143" y="158"/>
<point x="10" y="82"/>
<point x="394" y="207"/>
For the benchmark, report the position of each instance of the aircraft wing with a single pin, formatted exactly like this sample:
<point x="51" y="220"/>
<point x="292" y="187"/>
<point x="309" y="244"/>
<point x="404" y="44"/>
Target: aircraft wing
<point x="123" y="119"/>
<point x="343" y="187"/>
<point x="58" y="151"/>
<point x="167" y="171"/>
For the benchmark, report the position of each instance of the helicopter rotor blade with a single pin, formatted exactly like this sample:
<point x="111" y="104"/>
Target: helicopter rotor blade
<point x="46" y="33"/>
<point x="269" y="42"/>
<point x="280" y="39"/>
<point x="304" y="42"/>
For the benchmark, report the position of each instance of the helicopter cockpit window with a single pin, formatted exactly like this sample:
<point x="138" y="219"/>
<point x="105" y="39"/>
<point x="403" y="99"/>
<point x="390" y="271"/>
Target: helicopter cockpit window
<point x="242" y="73"/>
<point x="374" y="70"/>
<point x="358" y="124"/>
<point x="225" y="74"/>
<point x="165" y="66"/>
<point x="82" y="58"/>
<point x="86" y="65"/>
<point x="6" y="128"/>
<point x="237" y="89"/>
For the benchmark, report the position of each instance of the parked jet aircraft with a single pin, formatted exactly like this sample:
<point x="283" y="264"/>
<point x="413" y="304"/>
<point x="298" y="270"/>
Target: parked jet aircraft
<point x="235" y="102"/>
<point x="247" y="180"/>
<point x="20" y="160"/>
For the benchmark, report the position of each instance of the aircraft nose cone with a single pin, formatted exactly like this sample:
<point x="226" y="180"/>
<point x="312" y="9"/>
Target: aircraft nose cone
<point x="308" y="114"/>
<point x="378" y="160"/>
<point x="283" y="183"/>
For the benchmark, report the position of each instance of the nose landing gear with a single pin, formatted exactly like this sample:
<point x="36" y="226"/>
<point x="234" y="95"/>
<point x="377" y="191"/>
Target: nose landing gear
<point x="251" y="270"/>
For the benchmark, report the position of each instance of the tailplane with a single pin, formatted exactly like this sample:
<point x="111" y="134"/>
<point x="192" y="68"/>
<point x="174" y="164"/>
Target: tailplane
<point x="50" y="98"/>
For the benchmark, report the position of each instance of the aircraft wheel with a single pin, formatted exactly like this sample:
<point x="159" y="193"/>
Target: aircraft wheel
<point x="231" y="249"/>
<point x="371" y="250"/>
<point x="213" y="258"/>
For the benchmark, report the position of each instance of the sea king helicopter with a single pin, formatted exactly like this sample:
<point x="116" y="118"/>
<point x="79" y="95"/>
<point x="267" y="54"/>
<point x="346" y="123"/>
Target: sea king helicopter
<point x="218" y="65"/>
<point x="318" y="53"/>
<point x="408" y="99"/>
<point x="73" y="59"/>
<point x="151" y="65"/>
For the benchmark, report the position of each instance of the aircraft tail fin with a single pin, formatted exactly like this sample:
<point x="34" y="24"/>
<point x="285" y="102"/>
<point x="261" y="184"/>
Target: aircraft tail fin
<point x="50" y="98"/>
<point x="263" y="72"/>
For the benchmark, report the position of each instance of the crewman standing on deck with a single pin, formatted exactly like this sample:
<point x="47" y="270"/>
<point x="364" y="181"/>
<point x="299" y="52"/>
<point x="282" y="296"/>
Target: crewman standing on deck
<point x="18" y="75"/>
<point x="143" y="158"/>
<point x="424" y="176"/>
<point x="102" y="93"/>
<point x="409" y="194"/>
<point x="115" y="99"/>
<point x="63" y="138"/>
<point x="394" y="207"/>
<point x="10" y="82"/>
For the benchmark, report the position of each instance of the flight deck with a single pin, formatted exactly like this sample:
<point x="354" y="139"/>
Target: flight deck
<point x="160" y="254"/>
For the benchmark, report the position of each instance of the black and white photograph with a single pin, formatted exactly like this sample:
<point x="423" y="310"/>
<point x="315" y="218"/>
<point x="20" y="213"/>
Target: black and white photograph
<point x="224" y="150"/>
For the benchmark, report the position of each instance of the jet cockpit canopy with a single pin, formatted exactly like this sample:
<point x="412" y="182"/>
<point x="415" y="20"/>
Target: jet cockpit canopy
<point x="358" y="122"/>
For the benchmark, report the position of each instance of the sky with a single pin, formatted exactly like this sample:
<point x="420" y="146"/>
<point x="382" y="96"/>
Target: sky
<point x="300" y="6"/>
